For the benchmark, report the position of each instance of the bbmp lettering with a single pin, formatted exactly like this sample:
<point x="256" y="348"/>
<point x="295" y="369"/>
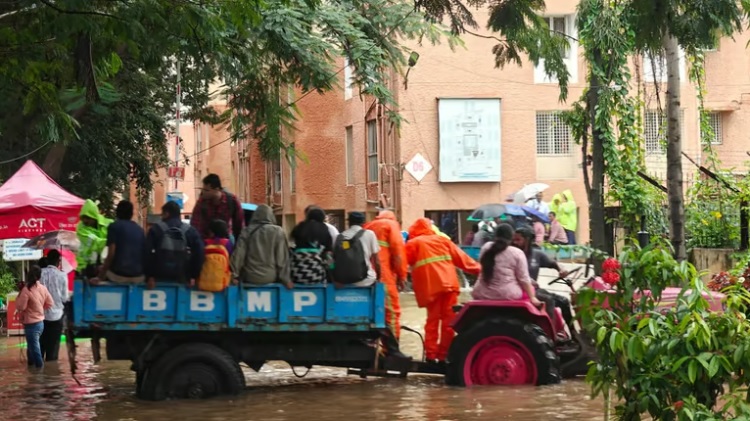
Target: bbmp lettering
<point x="259" y="301"/>
<point x="201" y="301"/>
<point x="304" y="299"/>
<point x="154" y="300"/>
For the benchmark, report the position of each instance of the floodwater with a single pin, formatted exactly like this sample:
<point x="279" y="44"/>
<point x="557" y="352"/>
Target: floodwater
<point x="106" y="392"/>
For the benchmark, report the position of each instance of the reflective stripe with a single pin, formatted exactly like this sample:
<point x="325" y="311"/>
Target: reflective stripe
<point x="383" y="244"/>
<point x="435" y="259"/>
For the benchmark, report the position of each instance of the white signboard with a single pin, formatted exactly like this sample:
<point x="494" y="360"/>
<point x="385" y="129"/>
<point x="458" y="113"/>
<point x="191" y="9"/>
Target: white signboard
<point x="418" y="167"/>
<point x="13" y="252"/>
<point x="469" y="140"/>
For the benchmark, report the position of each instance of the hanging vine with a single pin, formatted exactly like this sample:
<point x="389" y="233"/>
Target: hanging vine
<point x="611" y="124"/>
<point x="714" y="217"/>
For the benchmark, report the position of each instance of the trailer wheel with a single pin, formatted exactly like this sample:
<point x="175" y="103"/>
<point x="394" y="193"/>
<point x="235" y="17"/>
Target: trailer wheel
<point x="192" y="371"/>
<point x="502" y="352"/>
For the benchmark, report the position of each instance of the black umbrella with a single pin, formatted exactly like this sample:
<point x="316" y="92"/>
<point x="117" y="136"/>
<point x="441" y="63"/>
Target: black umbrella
<point x="487" y="212"/>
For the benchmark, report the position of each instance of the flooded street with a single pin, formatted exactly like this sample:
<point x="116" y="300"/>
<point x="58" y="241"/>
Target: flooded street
<point x="275" y="394"/>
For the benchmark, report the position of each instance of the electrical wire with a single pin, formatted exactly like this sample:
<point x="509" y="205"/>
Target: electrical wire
<point x="8" y="161"/>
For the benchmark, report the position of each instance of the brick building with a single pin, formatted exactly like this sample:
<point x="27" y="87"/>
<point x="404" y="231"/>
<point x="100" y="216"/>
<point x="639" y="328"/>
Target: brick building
<point x="482" y="133"/>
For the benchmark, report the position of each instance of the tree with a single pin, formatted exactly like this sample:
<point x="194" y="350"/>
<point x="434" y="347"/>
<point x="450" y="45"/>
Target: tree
<point x="91" y="83"/>
<point x="665" y="25"/>
<point x="68" y="64"/>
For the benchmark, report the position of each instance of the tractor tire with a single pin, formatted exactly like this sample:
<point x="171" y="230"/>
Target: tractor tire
<point x="502" y="352"/>
<point x="191" y="371"/>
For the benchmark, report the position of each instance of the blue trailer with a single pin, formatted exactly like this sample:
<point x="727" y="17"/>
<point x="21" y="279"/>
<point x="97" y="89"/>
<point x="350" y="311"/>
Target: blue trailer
<point x="186" y="343"/>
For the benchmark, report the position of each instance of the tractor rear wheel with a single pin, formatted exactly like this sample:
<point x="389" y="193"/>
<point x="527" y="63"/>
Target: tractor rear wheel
<point x="502" y="352"/>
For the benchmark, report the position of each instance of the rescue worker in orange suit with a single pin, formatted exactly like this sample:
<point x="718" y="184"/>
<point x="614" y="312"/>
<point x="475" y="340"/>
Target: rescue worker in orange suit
<point x="393" y="267"/>
<point x="433" y="260"/>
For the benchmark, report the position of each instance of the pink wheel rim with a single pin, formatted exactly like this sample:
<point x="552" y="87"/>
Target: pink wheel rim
<point x="499" y="360"/>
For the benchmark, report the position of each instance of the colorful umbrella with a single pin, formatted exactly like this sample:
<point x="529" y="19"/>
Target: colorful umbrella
<point x="514" y="210"/>
<point x="487" y="212"/>
<point x="533" y="212"/>
<point x="54" y="240"/>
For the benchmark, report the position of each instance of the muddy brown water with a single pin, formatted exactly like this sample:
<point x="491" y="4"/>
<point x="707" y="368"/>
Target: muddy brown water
<point x="275" y="394"/>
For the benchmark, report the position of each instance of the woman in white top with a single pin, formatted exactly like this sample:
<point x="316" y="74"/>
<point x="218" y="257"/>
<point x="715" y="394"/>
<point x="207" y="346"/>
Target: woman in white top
<point x="57" y="284"/>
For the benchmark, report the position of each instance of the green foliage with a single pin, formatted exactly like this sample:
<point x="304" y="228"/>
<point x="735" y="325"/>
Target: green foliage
<point x="603" y="30"/>
<point x="8" y="280"/>
<point x="674" y="361"/>
<point x="713" y="220"/>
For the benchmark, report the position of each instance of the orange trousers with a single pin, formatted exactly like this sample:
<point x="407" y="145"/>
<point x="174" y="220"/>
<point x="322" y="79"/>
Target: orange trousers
<point x="392" y="307"/>
<point x="438" y="333"/>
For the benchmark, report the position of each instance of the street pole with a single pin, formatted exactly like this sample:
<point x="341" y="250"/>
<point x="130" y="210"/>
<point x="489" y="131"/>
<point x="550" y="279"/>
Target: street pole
<point x="178" y="121"/>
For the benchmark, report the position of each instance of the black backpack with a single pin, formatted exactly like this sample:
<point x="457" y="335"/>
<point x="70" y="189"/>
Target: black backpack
<point x="349" y="260"/>
<point x="173" y="253"/>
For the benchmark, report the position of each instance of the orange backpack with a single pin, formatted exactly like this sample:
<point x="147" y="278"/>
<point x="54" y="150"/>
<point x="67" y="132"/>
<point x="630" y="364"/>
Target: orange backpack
<point x="215" y="274"/>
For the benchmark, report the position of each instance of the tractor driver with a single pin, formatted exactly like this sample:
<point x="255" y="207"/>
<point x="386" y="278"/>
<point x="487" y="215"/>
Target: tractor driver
<point x="524" y="239"/>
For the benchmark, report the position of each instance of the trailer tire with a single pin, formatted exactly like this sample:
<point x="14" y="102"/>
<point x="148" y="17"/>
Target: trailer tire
<point x="502" y="351"/>
<point x="192" y="371"/>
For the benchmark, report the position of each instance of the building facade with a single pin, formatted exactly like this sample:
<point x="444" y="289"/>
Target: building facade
<point x="472" y="135"/>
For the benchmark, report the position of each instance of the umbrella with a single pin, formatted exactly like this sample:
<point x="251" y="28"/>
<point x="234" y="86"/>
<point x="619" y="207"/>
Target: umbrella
<point x="68" y="261"/>
<point x="485" y="212"/>
<point x="57" y="240"/>
<point x="529" y="191"/>
<point x="533" y="212"/>
<point x="514" y="210"/>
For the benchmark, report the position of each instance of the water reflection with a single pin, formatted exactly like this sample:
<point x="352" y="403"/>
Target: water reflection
<point x="275" y="394"/>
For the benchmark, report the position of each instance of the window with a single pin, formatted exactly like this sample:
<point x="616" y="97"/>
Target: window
<point x="336" y="218"/>
<point x="655" y="131"/>
<point x="563" y="25"/>
<point x="349" y="156"/>
<point x="559" y="25"/>
<point x="715" y="121"/>
<point x="276" y="169"/>
<point x="348" y="76"/>
<point x="655" y="66"/>
<point x="372" y="152"/>
<point x="293" y="171"/>
<point x="552" y="134"/>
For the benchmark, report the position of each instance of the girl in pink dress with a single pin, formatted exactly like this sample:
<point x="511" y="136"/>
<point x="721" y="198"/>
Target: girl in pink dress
<point x="505" y="271"/>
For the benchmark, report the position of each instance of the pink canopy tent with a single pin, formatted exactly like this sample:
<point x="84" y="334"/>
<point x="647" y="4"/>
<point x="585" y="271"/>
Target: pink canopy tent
<point x="31" y="204"/>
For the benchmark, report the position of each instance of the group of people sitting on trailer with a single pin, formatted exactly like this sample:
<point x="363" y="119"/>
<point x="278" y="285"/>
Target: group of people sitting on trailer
<point x="206" y="255"/>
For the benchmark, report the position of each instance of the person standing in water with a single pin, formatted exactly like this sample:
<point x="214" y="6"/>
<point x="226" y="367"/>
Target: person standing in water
<point x="31" y="303"/>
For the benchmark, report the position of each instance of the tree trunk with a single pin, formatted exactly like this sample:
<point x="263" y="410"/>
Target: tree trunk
<point x="54" y="159"/>
<point x="674" y="149"/>
<point x="597" y="219"/>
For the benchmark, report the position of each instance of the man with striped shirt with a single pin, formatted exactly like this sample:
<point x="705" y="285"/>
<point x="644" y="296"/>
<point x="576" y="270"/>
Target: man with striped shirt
<point x="56" y="282"/>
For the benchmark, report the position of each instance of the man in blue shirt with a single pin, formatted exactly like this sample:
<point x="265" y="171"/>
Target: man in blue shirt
<point x="126" y="246"/>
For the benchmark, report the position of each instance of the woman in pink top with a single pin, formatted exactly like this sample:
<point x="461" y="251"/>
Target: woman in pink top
<point x="505" y="271"/>
<point x="30" y="304"/>
<point x="539" y="231"/>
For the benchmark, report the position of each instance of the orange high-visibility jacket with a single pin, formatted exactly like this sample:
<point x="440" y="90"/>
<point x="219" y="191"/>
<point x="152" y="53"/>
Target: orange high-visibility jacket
<point x="392" y="255"/>
<point x="433" y="260"/>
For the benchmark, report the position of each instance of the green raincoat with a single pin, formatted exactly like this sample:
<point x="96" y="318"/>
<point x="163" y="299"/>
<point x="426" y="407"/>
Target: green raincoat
<point x="566" y="211"/>
<point x="93" y="240"/>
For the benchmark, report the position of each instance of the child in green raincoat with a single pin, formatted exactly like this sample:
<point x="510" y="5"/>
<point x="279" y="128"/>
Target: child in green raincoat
<point x="92" y="233"/>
